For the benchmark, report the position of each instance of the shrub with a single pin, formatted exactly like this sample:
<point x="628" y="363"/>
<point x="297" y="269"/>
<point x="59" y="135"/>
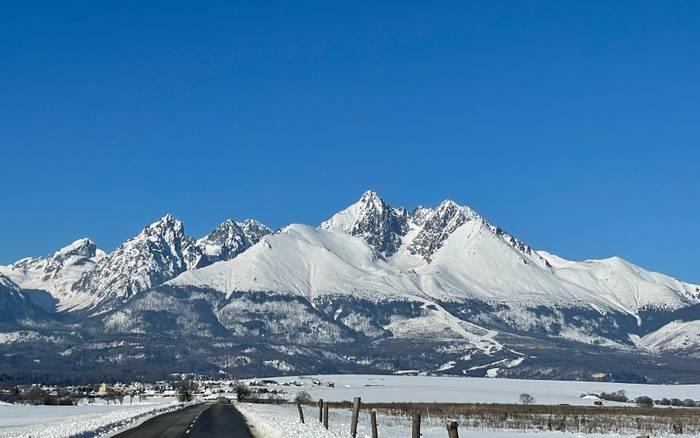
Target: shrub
<point x="618" y="396"/>
<point x="37" y="396"/>
<point x="184" y="394"/>
<point x="644" y="401"/>
<point x="242" y="391"/>
<point x="66" y="401"/>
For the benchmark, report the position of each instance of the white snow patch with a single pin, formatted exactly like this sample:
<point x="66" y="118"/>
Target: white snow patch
<point x="24" y="421"/>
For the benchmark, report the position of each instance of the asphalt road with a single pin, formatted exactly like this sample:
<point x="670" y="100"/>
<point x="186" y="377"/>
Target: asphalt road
<point x="202" y="421"/>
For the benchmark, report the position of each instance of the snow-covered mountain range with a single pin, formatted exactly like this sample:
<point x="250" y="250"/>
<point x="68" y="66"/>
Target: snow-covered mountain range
<point x="373" y="288"/>
<point x="81" y="276"/>
<point x="447" y="253"/>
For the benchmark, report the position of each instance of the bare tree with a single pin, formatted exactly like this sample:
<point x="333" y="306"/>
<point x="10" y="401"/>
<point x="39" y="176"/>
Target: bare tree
<point x="303" y="397"/>
<point x="526" y="399"/>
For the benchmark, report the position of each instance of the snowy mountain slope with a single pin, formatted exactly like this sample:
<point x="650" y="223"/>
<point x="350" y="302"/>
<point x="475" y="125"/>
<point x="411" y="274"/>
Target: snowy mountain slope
<point x="321" y="267"/>
<point x="300" y="260"/>
<point x="341" y="275"/>
<point x="450" y="261"/>
<point x="231" y="238"/>
<point x="674" y="336"/>
<point x="629" y="286"/>
<point x="57" y="273"/>
<point x="475" y="262"/>
<point x="447" y="253"/>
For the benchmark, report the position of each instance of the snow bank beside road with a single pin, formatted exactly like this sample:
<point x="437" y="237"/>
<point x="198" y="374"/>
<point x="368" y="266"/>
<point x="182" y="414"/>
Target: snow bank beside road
<point x="84" y="421"/>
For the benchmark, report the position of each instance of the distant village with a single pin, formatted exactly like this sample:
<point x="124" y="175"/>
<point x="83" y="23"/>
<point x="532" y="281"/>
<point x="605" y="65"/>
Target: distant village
<point x="183" y="387"/>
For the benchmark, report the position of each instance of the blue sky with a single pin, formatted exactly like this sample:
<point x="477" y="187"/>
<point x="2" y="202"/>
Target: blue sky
<point x="573" y="125"/>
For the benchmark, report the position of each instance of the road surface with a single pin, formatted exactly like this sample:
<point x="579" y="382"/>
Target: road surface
<point x="202" y="421"/>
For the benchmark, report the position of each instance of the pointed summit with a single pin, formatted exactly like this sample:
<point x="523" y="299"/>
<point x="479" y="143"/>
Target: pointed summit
<point x="168" y="220"/>
<point x="372" y="219"/>
<point x="372" y="198"/>
<point x="82" y="247"/>
<point x="164" y="226"/>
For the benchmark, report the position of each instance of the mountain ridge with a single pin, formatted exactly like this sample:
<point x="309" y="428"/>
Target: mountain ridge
<point x="465" y="291"/>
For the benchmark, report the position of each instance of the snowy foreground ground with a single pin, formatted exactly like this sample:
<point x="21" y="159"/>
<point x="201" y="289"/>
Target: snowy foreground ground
<point x="377" y="388"/>
<point x="273" y="421"/>
<point x="83" y="421"/>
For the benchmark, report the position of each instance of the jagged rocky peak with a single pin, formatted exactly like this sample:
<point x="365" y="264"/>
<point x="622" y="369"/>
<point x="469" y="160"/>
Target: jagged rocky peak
<point x="254" y="230"/>
<point x="420" y="215"/>
<point x="437" y="225"/>
<point x="232" y="238"/>
<point x="79" y="252"/>
<point x="80" y="248"/>
<point x="78" y="256"/>
<point x="158" y="253"/>
<point x="167" y="228"/>
<point x="372" y="219"/>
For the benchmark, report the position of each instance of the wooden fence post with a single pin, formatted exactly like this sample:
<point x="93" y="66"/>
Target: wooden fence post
<point x="320" y="410"/>
<point x="325" y="415"/>
<point x="452" y="431"/>
<point x="373" y="417"/>
<point x="415" y="426"/>
<point x="355" y="416"/>
<point x="301" y="412"/>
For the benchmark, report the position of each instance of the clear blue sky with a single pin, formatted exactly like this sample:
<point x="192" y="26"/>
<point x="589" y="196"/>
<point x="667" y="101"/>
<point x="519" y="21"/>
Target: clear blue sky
<point x="575" y="125"/>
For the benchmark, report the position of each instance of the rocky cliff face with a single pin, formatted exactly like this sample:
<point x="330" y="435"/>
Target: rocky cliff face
<point x="373" y="220"/>
<point x="231" y="238"/>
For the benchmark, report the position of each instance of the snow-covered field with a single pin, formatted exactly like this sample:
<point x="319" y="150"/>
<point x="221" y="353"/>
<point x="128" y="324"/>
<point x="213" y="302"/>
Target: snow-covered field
<point x="84" y="421"/>
<point x="378" y="388"/>
<point x="282" y="421"/>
